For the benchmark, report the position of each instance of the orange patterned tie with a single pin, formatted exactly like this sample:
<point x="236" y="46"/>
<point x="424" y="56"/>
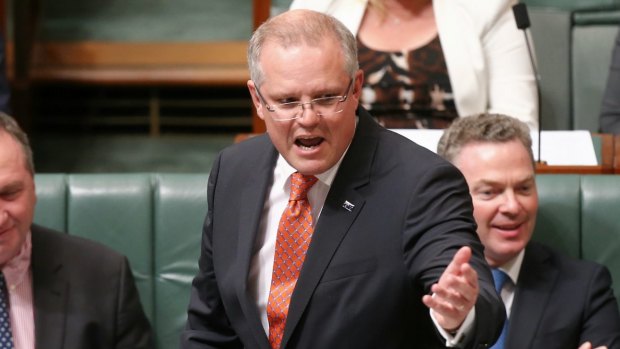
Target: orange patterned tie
<point x="294" y="234"/>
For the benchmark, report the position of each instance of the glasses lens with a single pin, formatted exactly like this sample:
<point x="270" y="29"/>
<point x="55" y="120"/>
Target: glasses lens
<point x="322" y="106"/>
<point x="287" y="111"/>
<point x="327" y="106"/>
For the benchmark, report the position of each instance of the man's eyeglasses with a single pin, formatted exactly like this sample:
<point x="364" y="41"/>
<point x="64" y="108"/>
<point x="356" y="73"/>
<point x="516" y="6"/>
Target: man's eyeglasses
<point x="324" y="106"/>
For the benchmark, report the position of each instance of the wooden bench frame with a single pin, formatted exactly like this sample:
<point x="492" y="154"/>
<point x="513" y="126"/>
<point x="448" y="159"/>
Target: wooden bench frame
<point x="29" y="62"/>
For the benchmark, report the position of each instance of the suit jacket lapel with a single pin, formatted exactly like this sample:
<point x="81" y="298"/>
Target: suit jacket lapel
<point x="342" y="206"/>
<point x="250" y="212"/>
<point x="536" y="280"/>
<point x="50" y="292"/>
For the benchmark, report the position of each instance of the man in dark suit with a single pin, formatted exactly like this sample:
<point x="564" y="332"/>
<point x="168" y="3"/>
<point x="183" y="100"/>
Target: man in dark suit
<point x="61" y="292"/>
<point x="552" y="301"/>
<point x="386" y="255"/>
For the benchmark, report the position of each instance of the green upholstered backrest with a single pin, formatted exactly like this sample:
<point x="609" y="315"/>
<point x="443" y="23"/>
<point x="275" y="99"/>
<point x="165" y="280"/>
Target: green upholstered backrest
<point x="558" y="220"/>
<point x="593" y="38"/>
<point x="550" y="29"/>
<point x="116" y="210"/>
<point x="154" y="219"/>
<point x="571" y="4"/>
<point x="600" y="223"/>
<point x="51" y="209"/>
<point x="180" y="208"/>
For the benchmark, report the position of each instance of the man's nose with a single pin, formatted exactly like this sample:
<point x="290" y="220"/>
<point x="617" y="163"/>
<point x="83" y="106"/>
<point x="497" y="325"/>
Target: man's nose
<point x="510" y="203"/>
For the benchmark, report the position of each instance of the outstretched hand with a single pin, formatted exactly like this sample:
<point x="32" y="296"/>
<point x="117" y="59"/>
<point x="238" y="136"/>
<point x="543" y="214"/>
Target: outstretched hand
<point x="588" y="345"/>
<point x="456" y="292"/>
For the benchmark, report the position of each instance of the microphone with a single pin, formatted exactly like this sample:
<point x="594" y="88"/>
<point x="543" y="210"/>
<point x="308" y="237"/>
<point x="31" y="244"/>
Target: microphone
<point x="523" y="22"/>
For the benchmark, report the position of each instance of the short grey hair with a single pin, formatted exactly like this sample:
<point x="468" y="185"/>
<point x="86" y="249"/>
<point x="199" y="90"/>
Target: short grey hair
<point x="11" y="127"/>
<point x="301" y="26"/>
<point x="483" y="128"/>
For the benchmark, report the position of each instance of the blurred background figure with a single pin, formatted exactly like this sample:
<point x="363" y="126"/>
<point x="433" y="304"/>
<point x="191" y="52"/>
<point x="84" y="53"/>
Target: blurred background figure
<point x="428" y="62"/>
<point x="610" y="109"/>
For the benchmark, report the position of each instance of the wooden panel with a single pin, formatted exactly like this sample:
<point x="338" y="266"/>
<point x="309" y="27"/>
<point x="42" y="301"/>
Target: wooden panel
<point x="100" y="54"/>
<point x="606" y="166"/>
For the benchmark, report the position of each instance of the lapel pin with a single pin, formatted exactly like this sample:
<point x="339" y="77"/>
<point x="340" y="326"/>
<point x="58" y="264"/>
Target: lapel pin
<point x="348" y="206"/>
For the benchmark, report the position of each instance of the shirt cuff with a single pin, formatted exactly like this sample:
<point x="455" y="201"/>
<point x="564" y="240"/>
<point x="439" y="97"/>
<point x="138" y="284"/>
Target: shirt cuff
<point x="454" y="339"/>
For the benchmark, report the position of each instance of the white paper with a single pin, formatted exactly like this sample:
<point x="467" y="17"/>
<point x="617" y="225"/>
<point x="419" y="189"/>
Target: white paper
<point x="559" y="148"/>
<point x="426" y="138"/>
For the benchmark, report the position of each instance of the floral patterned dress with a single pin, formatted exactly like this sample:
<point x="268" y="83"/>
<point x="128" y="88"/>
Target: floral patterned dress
<point x="409" y="89"/>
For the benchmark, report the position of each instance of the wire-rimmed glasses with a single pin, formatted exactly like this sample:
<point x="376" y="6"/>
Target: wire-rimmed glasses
<point x="323" y="106"/>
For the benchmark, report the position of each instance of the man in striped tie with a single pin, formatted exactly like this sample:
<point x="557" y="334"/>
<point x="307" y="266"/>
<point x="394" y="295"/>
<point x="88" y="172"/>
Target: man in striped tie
<point x="552" y="301"/>
<point x="57" y="291"/>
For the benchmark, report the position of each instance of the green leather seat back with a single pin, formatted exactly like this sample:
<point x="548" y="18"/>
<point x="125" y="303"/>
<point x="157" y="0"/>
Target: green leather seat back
<point x="593" y="38"/>
<point x="550" y="28"/>
<point x="180" y="209"/>
<point x="117" y="210"/>
<point x="558" y="220"/>
<point x="51" y="207"/>
<point x="571" y="4"/>
<point x="601" y="222"/>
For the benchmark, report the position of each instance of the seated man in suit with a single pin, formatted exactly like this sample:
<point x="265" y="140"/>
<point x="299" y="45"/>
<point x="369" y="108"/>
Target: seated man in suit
<point x="552" y="301"/>
<point x="57" y="291"/>
<point x="330" y="231"/>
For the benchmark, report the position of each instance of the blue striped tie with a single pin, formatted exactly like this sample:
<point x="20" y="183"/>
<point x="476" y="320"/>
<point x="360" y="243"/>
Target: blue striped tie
<point x="6" y="339"/>
<point x="500" y="278"/>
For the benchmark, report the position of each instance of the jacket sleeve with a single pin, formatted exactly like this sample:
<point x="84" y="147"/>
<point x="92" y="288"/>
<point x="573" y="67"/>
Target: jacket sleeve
<point x="440" y="222"/>
<point x="601" y="324"/>
<point x="133" y="330"/>
<point x="208" y="326"/>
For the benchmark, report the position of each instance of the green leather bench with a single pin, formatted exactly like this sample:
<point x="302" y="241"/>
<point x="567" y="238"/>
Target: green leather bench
<point x="156" y="220"/>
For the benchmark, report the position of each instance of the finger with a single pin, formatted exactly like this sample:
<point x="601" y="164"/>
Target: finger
<point x="460" y="296"/>
<point x="465" y="282"/>
<point x="447" y="316"/>
<point x="586" y="345"/>
<point x="462" y="256"/>
<point x="470" y="275"/>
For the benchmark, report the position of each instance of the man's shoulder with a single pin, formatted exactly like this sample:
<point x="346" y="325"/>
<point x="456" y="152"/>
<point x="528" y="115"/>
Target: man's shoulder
<point x="562" y="261"/>
<point x="61" y="244"/>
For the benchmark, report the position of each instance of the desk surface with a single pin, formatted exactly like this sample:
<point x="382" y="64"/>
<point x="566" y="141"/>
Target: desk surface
<point x="607" y="147"/>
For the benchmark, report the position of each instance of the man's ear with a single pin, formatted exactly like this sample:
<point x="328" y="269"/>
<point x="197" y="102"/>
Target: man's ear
<point x="256" y="99"/>
<point x="357" y="84"/>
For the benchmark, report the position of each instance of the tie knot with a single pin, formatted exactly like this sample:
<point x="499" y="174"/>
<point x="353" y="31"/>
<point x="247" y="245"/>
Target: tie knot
<point x="300" y="185"/>
<point x="499" y="278"/>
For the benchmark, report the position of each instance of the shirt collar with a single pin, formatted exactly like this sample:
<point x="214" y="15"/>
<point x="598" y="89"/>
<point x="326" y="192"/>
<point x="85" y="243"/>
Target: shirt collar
<point x="513" y="267"/>
<point x="16" y="269"/>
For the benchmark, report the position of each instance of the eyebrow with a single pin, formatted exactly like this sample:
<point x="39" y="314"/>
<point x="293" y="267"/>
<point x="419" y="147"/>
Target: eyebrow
<point x="529" y="178"/>
<point x="15" y="185"/>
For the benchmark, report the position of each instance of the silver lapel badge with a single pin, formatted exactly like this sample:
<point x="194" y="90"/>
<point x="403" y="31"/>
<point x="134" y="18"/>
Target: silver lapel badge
<point x="348" y="206"/>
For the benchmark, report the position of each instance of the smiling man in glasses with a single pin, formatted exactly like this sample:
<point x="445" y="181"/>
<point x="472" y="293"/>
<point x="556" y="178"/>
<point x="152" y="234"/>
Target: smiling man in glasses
<point x="331" y="231"/>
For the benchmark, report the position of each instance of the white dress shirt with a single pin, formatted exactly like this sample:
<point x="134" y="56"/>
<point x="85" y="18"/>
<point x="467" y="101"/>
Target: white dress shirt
<point x="261" y="267"/>
<point x="512" y="269"/>
<point x="264" y="247"/>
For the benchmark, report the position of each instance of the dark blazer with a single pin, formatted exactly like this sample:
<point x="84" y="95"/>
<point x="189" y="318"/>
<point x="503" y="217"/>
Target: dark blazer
<point x="367" y="268"/>
<point x="84" y="295"/>
<point x="562" y="302"/>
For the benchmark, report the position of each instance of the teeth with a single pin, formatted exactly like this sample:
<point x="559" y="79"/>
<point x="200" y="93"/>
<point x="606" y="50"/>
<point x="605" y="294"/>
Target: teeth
<point x="509" y="228"/>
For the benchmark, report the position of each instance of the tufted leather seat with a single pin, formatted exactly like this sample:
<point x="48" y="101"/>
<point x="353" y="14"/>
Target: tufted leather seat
<point x="156" y="220"/>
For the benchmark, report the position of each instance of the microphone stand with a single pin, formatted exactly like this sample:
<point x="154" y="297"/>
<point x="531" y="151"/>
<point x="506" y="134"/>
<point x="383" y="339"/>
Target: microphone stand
<point x="523" y="22"/>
